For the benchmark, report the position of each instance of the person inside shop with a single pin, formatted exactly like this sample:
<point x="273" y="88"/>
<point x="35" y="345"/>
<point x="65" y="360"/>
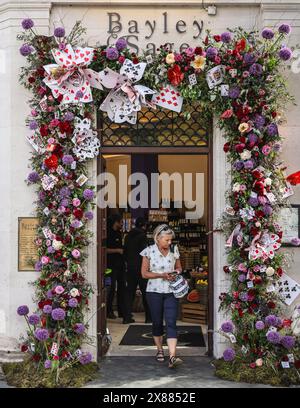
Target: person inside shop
<point x="115" y="261"/>
<point x="135" y="242"/>
<point x="161" y="262"/>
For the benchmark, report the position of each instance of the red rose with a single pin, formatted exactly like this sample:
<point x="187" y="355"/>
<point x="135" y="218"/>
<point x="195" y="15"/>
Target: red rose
<point x="217" y="38"/>
<point x="58" y="150"/>
<point x="240" y="45"/>
<point x="51" y="162"/>
<point x="271" y="305"/>
<point x="274" y="114"/>
<point x="242" y="224"/>
<point x="258" y="280"/>
<point x="64" y="354"/>
<point x="44" y="130"/>
<point x="55" y="358"/>
<point x="135" y="60"/>
<point x="78" y="212"/>
<point x="226" y="269"/>
<point x="259" y="214"/>
<point x="175" y="76"/>
<point x="31" y="80"/>
<point x="286" y="322"/>
<point x="239" y="148"/>
<point x="65" y="127"/>
<point x="36" y="357"/>
<point x="43" y="282"/>
<point x="24" y="348"/>
<point x="226" y="147"/>
<point x="198" y="51"/>
<point x="256" y="174"/>
<point x="279" y="271"/>
<point x="240" y="312"/>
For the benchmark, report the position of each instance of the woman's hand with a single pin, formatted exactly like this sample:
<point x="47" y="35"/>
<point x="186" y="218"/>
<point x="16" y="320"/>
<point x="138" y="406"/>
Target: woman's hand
<point x="166" y="276"/>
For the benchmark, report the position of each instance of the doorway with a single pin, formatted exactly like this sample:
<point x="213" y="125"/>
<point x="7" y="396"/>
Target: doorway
<point x="195" y="246"/>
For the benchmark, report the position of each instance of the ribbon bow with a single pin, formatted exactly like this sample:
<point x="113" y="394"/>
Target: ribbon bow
<point x="125" y="99"/>
<point x="264" y="246"/>
<point x="70" y="77"/>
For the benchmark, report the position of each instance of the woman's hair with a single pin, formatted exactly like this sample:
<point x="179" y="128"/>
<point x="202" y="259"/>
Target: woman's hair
<point x="162" y="229"/>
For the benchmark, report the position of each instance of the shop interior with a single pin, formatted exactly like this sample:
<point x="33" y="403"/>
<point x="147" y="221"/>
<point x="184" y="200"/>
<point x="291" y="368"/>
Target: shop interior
<point x="192" y="240"/>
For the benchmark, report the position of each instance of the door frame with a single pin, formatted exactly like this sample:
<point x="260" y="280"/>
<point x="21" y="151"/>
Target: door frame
<point x="193" y="150"/>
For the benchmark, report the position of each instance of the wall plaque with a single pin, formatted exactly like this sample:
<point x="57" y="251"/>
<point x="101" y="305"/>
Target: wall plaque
<point x="27" y="250"/>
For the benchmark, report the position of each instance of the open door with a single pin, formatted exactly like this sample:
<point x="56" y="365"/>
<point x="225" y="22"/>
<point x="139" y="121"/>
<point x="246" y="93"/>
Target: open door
<point x="102" y="342"/>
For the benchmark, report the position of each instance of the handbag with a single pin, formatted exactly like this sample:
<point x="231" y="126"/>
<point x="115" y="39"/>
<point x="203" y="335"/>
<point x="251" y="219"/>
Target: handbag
<point x="179" y="286"/>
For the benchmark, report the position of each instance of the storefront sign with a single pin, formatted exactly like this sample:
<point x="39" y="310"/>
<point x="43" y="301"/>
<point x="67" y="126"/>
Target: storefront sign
<point x="27" y="251"/>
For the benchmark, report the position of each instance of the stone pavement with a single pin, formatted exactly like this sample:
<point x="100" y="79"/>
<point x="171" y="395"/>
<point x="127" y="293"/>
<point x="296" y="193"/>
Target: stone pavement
<point x="145" y="372"/>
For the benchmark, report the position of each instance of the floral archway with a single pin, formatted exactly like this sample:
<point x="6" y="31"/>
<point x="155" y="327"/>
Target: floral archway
<point x="237" y="76"/>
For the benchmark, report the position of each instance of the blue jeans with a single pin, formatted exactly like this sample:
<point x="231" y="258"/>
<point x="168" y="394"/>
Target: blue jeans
<point x="163" y="305"/>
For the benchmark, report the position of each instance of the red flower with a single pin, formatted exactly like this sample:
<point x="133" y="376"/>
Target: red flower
<point x="43" y="282"/>
<point x="78" y="213"/>
<point x="240" y="312"/>
<point x="198" y="51"/>
<point x="135" y="60"/>
<point x="206" y="40"/>
<point x="31" y="80"/>
<point x="294" y="178"/>
<point x="286" y="322"/>
<point x="24" y="348"/>
<point x="227" y="114"/>
<point x="226" y="269"/>
<point x="65" y="127"/>
<point x="240" y="45"/>
<point x="279" y="271"/>
<point x="44" y="130"/>
<point x="217" y="38"/>
<point x="175" y="76"/>
<point x="55" y="358"/>
<point x="271" y="305"/>
<point x="239" y="148"/>
<point x="36" y="357"/>
<point x="297" y="364"/>
<point x="51" y="162"/>
<point x="64" y="354"/>
<point x="252" y="365"/>
<point x="226" y="147"/>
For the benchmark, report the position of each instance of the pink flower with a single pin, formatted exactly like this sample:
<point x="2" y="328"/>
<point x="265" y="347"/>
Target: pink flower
<point x="76" y="202"/>
<point x="121" y="59"/>
<point x="266" y="149"/>
<point x="45" y="260"/>
<point x="243" y="187"/>
<point x="242" y="268"/>
<point x="190" y="51"/>
<point x="246" y="74"/>
<point x="54" y="123"/>
<point x="227" y="114"/>
<point x="51" y="140"/>
<point x="217" y="60"/>
<point x="178" y="57"/>
<point x="59" y="289"/>
<point x="76" y="253"/>
<point x="34" y="112"/>
<point x="252" y="365"/>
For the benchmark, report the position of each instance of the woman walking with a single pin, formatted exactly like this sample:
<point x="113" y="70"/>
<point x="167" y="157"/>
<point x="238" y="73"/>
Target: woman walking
<point x="159" y="262"/>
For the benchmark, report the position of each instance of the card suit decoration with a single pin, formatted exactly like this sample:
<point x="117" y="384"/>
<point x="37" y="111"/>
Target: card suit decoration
<point x="288" y="288"/>
<point x="264" y="246"/>
<point x="294" y="178"/>
<point x="168" y="97"/>
<point x="85" y="140"/>
<point x="70" y="74"/>
<point x="215" y="76"/>
<point x="125" y="99"/>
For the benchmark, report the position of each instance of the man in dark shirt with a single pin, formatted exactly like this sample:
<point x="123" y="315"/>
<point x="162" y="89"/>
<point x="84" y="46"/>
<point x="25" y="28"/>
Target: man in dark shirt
<point x="115" y="261"/>
<point x="135" y="242"/>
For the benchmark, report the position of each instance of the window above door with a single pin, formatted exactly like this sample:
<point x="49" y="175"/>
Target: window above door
<point x="155" y="127"/>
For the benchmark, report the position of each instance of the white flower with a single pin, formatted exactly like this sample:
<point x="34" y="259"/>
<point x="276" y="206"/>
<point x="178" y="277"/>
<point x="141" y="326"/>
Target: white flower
<point x="74" y="292"/>
<point x="57" y="245"/>
<point x="245" y="155"/>
<point x="236" y="187"/>
<point x="268" y="181"/>
<point x="270" y="271"/>
<point x="67" y="273"/>
<point x="258" y="224"/>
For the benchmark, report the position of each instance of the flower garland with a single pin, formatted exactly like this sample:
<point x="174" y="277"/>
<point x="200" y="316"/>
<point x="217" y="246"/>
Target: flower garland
<point x="237" y="76"/>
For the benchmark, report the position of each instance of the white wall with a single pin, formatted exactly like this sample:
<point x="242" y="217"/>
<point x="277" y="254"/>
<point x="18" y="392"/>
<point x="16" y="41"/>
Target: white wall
<point x="17" y="198"/>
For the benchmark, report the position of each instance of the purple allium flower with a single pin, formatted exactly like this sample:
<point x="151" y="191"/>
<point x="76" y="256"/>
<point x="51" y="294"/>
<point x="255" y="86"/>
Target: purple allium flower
<point x="252" y="137"/>
<point x="27" y="23"/>
<point x="85" y="358"/>
<point x="271" y="320"/>
<point x="242" y="278"/>
<point x="211" y="53"/>
<point x="249" y="58"/>
<point x="229" y="354"/>
<point x="58" y="314"/>
<point x="274" y="337"/>
<point x="79" y="94"/>
<point x="67" y="159"/>
<point x="48" y="364"/>
<point x="47" y="309"/>
<point x="267" y="209"/>
<point x="73" y="302"/>
<point x="288" y="342"/>
<point x="42" y="195"/>
<point x="272" y="129"/>
<point x="227" y="327"/>
<point x="69" y="116"/>
<point x="239" y="165"/>
<point x="79" y="328"/>
<point x="59" y="32"/>
<point x="34" y="319"/>
<point x="121" y="44"/>
<point x="256" y="69"/>
<point x="33" y="125"/>
<point x="112" y="53"/>
<point x="23" y="310"/>
<point x="243" y="296"/>
<point x="64" y="192"/>
<point x="259" y="325"/>
<point x="259" y="121"/>
<point x="285" y="53"/>
<point x="248" y="165"/>
<point x="295" y="241"/>
<point x="89" y="215"/>
<point x="41" y="334"/>
<point x="33" y="177"/>
<point x="76" y="224"/>
<point x="267" y="33"/>
<point x="284" y="29"/>
<point x="64" y="202"/>
<point x="49" y="294"/>
<point x="25" y="50"/>
<point x="88" y="194"/>
<point x="253" y="201"/>
<point x="50" y="250"/>
<point x="234" y="92"/>
<point x="38" y="266"/>
<point x="226" y="37"/>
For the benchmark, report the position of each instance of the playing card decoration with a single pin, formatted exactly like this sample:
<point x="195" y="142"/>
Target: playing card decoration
<point x="264" y="246"/>
<point x="85" y="140"/>
<point x="70" y="77"/>
<point x="168" y="98"/>
<point x="125" y="99"/>
<point x="215" y="76"/>
<point x="296" y="321"/>
<point x="288" y="288"/>
<point x="236" y="237"/>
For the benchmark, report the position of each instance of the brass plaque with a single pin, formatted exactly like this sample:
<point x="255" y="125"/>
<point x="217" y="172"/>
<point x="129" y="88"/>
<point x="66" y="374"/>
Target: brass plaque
<point x="27" y="250"/>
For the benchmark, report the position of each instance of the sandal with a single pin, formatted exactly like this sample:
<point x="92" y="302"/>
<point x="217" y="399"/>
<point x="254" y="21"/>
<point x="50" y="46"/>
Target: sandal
<point x="160" y="356"/>
<point x="175" y="362"/>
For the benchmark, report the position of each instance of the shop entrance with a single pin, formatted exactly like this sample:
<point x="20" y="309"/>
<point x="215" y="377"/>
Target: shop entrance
<point x="191" y="237"/>
<point x="195" y="319"/>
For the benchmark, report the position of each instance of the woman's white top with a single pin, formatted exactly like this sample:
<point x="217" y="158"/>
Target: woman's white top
<point x="160" y="264"/>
